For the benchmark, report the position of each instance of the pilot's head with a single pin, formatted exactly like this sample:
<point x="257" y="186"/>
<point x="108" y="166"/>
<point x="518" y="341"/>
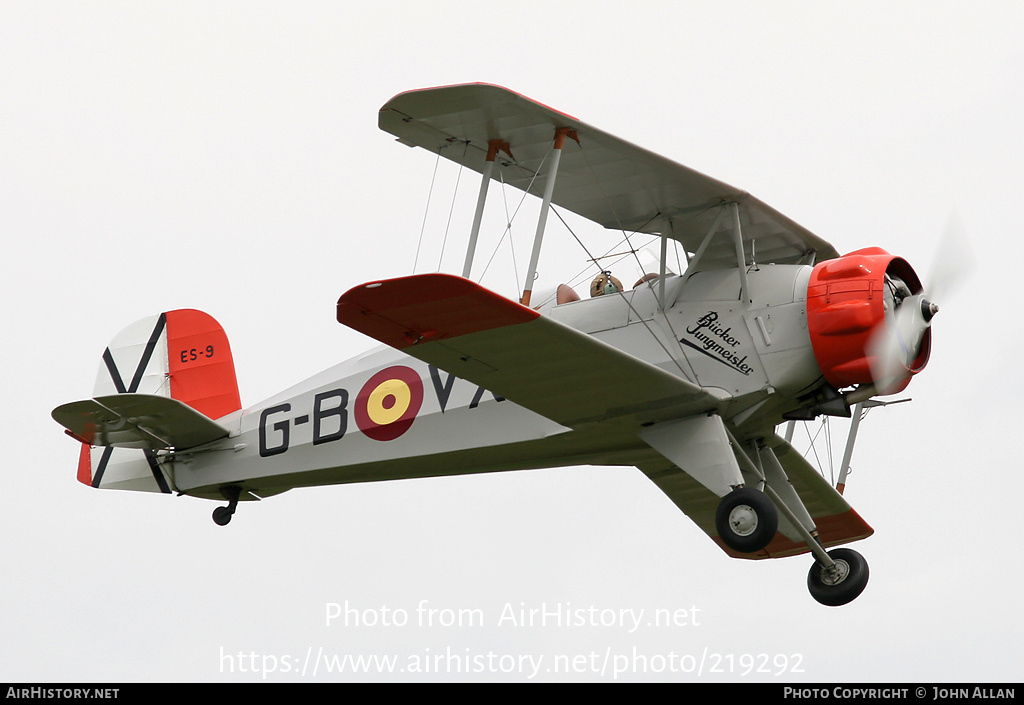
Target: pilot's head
<point x="605" y="283"/>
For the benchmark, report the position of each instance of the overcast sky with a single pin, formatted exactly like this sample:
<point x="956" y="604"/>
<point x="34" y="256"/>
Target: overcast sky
<point x="225" y="156"/>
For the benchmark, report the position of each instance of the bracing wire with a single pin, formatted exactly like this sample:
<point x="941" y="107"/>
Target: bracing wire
<point x="622" y="294"/>
<point x="825" y="433"/>
<point x="509" y="219"/>
<point x="812" y="446"/>
<point x="426" y="210"/>
<point x="451" y="209"/>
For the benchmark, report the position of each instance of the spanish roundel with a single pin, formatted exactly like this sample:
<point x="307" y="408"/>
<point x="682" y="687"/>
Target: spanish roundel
<point x="388" y="403"/>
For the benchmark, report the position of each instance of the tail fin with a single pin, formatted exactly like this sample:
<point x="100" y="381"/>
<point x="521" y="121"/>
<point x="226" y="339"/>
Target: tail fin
<point x="180" y="354"/>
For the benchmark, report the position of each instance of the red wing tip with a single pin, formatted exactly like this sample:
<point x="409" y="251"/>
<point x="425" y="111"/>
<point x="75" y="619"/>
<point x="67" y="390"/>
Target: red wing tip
<point x="421" y="308"/>
<point x="834" y="530"/>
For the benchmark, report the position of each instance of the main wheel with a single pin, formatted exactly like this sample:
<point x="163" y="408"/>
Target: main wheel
<point x="841" y="585"/>
<point x="746" y="520"/>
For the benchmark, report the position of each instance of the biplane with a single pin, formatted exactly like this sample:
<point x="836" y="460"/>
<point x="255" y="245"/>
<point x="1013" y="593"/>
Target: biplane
<point x="686" y="376"/>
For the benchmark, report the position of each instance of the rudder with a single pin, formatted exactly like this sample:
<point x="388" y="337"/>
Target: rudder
<point x="182" y="354"/>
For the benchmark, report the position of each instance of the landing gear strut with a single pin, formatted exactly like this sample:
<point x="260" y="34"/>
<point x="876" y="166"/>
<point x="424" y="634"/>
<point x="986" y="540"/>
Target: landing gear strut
<point x="841" y="583"/>
<point x="222" y="515"/>
<point x="746" y="520"/>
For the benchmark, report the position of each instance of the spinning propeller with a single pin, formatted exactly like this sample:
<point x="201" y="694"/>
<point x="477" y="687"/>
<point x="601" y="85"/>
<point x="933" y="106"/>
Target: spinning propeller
<point x="899" y="348"/>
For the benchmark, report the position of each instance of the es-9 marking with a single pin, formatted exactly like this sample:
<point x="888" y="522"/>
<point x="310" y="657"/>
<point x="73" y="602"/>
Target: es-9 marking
<point x="193" y="354"/>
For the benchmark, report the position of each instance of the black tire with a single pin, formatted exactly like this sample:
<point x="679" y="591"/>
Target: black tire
<point x="845" y="587"/>
<point x="222" y="515"/>
<point x="746" y="520"/>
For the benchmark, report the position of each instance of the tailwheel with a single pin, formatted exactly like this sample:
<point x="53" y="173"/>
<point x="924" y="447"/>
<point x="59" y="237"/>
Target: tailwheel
<point x="842" y="583"/>
<point x="746" y="520"/>
<point x="222" y="515"/>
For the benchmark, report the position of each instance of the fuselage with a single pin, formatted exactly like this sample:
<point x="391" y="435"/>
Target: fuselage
<point x="383" y="415"/>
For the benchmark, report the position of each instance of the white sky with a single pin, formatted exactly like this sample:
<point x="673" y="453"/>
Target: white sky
<point x="225" y="156"/>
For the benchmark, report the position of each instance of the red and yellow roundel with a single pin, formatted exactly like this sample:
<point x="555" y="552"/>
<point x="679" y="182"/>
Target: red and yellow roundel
<point x="388" y="403"/>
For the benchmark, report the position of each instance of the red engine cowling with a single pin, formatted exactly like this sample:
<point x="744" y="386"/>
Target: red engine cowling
<point x="847" y="299"/>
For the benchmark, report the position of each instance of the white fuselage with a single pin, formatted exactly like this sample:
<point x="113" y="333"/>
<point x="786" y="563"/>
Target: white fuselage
<point x="755" y="357"/>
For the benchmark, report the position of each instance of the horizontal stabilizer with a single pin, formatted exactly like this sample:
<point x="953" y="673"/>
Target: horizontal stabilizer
<point x="512" y="351"/>
<point x="142" y="421"/>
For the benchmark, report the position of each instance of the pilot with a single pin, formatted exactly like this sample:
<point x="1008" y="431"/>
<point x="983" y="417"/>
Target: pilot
<point x="605" y="283"/>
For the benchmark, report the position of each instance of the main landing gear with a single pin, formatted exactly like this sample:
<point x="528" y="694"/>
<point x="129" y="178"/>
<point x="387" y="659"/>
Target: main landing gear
<point x="222" y="515"/>
<point x="840" y="583"/>
<point x="746" y="521"/>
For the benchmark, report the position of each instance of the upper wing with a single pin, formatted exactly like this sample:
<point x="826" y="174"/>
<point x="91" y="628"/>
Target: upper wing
<point x="143" y="421"/>
<point x="604" y="178"/>
<point x="513" y="351"/>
